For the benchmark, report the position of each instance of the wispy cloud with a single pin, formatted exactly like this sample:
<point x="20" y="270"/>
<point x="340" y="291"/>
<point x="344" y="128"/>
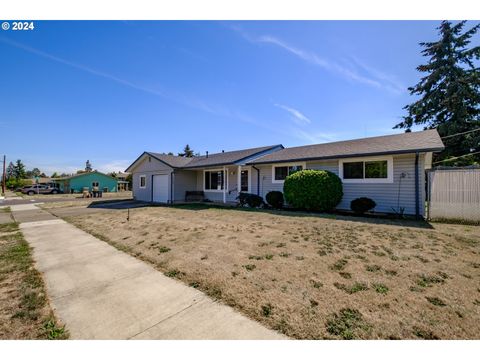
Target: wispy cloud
<point x="81" y="67"/>
<point x="298" y="117"/>
<point x="315" y="59"/>
<point x="389" y="81"/>
<point x="114" y="165"/>
<point x="372" y="77"/>
<point x="312" y="137"/>
<point x="179" y="98"/>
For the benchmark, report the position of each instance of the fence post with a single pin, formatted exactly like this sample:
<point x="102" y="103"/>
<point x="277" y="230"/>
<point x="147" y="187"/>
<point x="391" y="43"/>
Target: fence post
<point x="428" y="192"/>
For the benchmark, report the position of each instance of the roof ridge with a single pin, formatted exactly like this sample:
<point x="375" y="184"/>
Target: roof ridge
<point x="362" y="139"/>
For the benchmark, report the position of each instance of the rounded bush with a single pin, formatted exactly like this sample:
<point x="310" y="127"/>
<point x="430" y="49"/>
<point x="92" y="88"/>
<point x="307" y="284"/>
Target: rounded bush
<point x="362" y="205"/>
<point x="252" y="200"/>
<point x="318" y="190"/>
<point x="275" y="199"/>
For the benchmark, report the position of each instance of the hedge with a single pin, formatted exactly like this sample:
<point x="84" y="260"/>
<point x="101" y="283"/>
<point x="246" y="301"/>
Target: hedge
<point x="317" y="190"/>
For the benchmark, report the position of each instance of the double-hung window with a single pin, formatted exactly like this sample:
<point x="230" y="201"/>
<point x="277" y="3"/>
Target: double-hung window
<point x="214" y="180"/>
<point x="367" y="170"/>
<point x="280" y="172"/>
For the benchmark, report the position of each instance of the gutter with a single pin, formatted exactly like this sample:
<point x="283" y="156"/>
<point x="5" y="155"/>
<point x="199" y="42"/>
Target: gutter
<point x="346" y="156"/>
<point x="258" y="179"/>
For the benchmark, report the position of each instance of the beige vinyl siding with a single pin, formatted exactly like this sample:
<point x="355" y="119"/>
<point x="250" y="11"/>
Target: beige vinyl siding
<point x="385" y="195"/>
<point x="148" y="168"/>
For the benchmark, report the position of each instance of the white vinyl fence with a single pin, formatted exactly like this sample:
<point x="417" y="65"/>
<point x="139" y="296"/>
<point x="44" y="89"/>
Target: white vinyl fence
<point x="454" y="194"/>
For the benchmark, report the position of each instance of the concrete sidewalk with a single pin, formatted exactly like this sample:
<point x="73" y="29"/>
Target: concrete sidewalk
<point x="100" y="292"/>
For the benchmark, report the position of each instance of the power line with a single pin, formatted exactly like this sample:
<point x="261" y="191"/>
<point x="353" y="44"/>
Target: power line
<point x="458" y="157"/>
<point x="466" y="132"/>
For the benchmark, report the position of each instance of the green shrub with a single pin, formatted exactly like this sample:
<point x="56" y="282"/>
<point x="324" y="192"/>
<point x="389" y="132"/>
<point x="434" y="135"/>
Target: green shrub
<point x="252" y="200"/>
<point x="275" y="199"/>
<point x="14" y="184"/>
<point x="362" y="205"/>
<point x="317" y="190"/>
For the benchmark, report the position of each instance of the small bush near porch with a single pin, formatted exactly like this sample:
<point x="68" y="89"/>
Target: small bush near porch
<point x="312" y="276"/>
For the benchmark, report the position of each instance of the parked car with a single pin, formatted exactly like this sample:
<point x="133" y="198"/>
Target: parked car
<point x="20" y="189"/>
<point x="39" y="189"/>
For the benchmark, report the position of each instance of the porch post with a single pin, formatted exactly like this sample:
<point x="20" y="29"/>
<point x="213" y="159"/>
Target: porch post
<point x="225" y="177"/>
<point x="239" y="179"/>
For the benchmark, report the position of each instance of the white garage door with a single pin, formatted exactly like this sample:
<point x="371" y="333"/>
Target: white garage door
<point x="160" y="188"/>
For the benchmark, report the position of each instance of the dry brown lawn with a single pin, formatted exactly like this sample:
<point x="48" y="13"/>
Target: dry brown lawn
<point x="312" y="276"/>
<point x="24" y="309"/>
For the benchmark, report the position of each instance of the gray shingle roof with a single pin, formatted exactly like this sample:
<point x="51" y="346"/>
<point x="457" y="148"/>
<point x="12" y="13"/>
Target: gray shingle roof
<point x="223" y="158"/>
<point x="427" y="140"/>
<point x="171" y="160"/>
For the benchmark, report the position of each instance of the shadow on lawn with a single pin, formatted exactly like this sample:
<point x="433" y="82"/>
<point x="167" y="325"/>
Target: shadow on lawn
<point x="118" y="204"/>
<point x="299" y="213"/>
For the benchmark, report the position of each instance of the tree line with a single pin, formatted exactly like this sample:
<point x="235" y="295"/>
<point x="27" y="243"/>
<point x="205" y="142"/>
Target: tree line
<point x="17" y="175"/>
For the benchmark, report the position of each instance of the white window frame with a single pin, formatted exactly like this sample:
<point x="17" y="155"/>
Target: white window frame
<point x="225" y="173"/>
<point x="387" y="180"/>
<point x="302" y="164"/>
<point x="140" y="182"/>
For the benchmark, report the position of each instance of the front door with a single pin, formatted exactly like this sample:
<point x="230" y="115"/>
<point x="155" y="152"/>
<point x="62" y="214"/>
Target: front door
<point x="244" y="181"/>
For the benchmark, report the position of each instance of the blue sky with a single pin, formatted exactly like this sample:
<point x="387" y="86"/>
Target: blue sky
<point x="108" y="90"/>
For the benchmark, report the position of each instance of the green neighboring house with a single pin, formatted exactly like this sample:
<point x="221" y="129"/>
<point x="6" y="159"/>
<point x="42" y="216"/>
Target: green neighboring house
<point x="76" y="183"/>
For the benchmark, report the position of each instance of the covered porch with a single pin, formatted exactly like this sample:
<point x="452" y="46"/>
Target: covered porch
<point x="217" y="184"/>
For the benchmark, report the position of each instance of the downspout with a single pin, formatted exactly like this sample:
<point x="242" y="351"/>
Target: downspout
<point x="417" y="188"/>
<point x="172" y="177"/>
<point x="258" y="179"/>
<point x="151" y="188"/>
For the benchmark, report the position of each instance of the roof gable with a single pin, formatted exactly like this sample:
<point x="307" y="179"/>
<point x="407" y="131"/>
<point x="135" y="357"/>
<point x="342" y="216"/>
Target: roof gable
<point x="228" y="157"/>
<point x="223" y="158"/>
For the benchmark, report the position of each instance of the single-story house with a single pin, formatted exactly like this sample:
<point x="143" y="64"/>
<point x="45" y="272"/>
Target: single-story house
<point x="87" y="180"/>
<point x="388" y="169"/>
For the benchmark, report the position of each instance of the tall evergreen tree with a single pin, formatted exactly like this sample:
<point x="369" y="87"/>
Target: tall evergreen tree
<point x="10" y="171"/>
<point x="449" y="93"/>
<point x="187" y="152"/>
<point x="20" y="172"/>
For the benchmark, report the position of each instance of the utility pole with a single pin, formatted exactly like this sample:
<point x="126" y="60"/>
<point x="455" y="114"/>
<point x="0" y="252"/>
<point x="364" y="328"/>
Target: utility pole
<point x="4" y="174"/>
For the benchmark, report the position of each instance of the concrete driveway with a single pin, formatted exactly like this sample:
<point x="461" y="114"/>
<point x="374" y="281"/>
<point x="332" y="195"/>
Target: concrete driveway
<point x="100" y="292"/>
